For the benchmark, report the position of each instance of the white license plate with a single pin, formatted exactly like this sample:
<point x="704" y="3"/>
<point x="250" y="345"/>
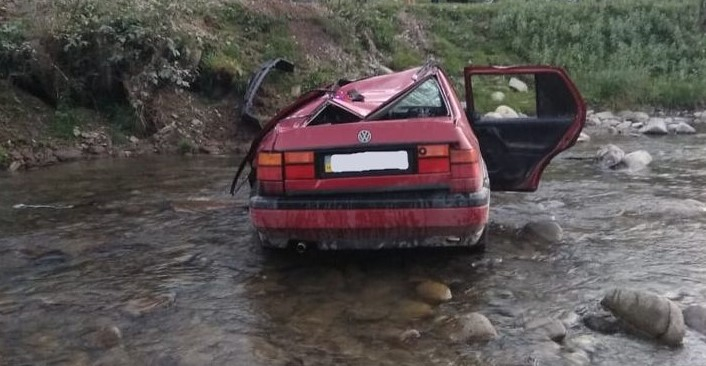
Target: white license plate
<point x="366" y="161"/>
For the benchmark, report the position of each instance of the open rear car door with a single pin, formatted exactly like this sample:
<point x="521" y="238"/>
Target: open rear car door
<point x="517" y="147"/>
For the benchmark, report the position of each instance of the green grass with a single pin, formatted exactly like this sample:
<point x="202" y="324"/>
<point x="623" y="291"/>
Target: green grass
<point x="622" y="53"/>
<point x="186" y="147"/>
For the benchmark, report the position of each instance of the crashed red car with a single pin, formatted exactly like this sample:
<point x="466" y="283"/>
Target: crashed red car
<point x="398" y="160"/>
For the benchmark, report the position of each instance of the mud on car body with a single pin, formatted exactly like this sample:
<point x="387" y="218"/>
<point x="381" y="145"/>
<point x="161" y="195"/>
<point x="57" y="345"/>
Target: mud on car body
<point x="397" y="160"/>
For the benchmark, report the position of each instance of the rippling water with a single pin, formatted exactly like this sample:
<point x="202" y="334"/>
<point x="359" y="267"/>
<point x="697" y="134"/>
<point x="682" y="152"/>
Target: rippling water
<point x="151" y="262"/>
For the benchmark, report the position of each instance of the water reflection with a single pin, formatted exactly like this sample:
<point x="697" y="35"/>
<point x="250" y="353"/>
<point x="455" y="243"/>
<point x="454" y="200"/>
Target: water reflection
<point x="156" y="264"/>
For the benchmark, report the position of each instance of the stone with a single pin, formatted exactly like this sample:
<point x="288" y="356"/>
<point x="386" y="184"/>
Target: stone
<point x="497" y="96"/>
<point x="105" y="337"/>
<point x="624" y="127"/>
<point x="593" y="121"/>
<point x="638" y="125"/>
<point x="295" y="91"/>
<point x="583" y="137"/>
<point x="695" y="318"/>
<point x="468" y="328"/>
<point x="409" y="336"/>
<point x="68" y="154"/>
<point x="605" y="115"/>
<point x="506" y="112"/>
<point x="602" y="323"/>
<point x="655" y="126"/>
<point x="547" y="231"/>
<point x="518" y="85"/>
<point x="196" y="122"/>
<point x="636" y="160"/>
<point x="684" y="128"/>
<point x="648" y="314"/>
<point x="141" y="306"/>
<point x="639" y="117"/>
<point x="134" y="139"/>
<point x="409" y="309"/>
<point x="14" y="166"/>
<point x="433" y="292"/>
<point x="76" y="131"/>
<point x="577" y="358"/>
<point x="609" y="156"/>
<point x="493" y="115"/>
<point x="570" y="319"/>
<point x="586" y="343"/>
<point x="550" y="328"/>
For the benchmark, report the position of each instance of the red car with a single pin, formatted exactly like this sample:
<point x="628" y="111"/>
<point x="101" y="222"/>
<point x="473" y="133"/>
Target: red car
<point x="398" y="160"/>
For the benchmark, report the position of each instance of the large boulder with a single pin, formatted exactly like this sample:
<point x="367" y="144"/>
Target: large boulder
<point x="506" y="112"/>
<point x="682" y="128"/>
<point x="609" y="156"/>
<point x="636" y="160"/>
<point x="648" y="314"/>
<point x="695" y="318"/>
<point x="655" y="126"/>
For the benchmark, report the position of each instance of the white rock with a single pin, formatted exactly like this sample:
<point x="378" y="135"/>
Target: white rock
<point x="134" y="139"/>
<point x="652" y="315"/>
<point x="196" y="122"/>
<point x="593" y="121"/>
<point x="638" y="125"/>
<point x="493" y="115"/>
<point x="684" y="128"/>
<point x="655" y="126"/>
<point x="624" y="127"/>
<point x="577" y="358"/>
<point x="506" y="112"/>
<point x="606" y="115"/>
<point x="472" y="327"/>
<point x="584" y="137"/>
<point x="636" y="160"/>
<point x="609" y="156"/>
<point x="498" y="96"/>
<point x="518" y="85"/>
<point x="638" y="117"/>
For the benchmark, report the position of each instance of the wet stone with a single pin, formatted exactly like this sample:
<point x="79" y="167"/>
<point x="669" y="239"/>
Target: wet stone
<point x="141" y="306"/>
<point x="577" y="358"/>
<point x="410" y="310"/>
<point x="695" y="318"/>
<point x="550" y="328"/>
<point x="468" y="328"/>
<point x="546" y="231"/>
<point x="367" y="313"/>
<point x="602" y="323"/>
<point x="105" y="337"/>
<point x="649" y="314"/>
<point x="433" y="292"/>
<point x="409" y="336"/>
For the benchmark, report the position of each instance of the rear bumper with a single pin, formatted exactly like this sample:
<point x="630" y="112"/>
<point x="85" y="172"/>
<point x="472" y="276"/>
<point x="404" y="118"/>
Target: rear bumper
<point x="372" y="221"/>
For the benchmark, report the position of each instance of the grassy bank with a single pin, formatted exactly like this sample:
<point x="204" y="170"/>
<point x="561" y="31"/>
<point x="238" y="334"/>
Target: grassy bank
<point x="117" y="58"/>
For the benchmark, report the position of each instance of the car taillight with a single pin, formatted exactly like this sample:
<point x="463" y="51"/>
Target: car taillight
<point x="299" y="165"/>
<point x="433" y="159"/>
<point x="466" y="173"/>
<point x="269" y="173"/>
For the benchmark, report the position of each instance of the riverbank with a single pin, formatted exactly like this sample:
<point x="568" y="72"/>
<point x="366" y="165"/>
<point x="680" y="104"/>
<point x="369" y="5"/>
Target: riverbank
<point x="86" y="79"/>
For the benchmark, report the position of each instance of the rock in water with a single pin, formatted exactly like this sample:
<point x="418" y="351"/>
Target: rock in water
<point x="548" y="231"/>
<point x="413" y="310"/>
<point x="583" y="137"/>
<point x="472" y="327"/>
<point x="636" y="160"/>
<point x="518" y="85"/>
<point x="434" y="292"/>
<point x="684" y="128"/>
<point x="609" y="156"/>
<point x="655" y="126"/>
<point x="547" y="327"/>
<point x="647" y="313"/>
<point x="695" y="318"/>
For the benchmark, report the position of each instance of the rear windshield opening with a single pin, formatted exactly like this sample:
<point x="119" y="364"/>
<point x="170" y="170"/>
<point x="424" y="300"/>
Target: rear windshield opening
<point x="424" y="101"/>
<point x="333" y="115"/>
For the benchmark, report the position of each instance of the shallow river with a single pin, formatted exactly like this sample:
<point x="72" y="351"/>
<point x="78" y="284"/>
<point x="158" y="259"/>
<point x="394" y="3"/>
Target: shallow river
<point x="150" y="262"/>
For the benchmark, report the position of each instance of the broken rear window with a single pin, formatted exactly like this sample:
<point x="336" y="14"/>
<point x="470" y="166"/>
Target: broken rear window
<point x="424" y="101"/>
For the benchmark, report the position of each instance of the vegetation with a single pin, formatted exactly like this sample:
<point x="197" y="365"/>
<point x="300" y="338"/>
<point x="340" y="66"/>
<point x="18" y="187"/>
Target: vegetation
<point x="4" y="157"/>
<point x="111" y="56"/>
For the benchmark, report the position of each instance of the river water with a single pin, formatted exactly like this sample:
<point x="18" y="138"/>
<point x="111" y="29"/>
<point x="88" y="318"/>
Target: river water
<point x="150" y="262"/>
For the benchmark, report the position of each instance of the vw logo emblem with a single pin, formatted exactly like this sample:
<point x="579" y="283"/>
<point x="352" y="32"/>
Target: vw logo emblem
<point x="364" y="136"/>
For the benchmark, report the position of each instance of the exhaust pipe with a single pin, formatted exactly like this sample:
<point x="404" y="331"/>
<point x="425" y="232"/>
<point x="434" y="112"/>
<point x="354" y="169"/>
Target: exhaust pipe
<point x="301" y="247"/>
